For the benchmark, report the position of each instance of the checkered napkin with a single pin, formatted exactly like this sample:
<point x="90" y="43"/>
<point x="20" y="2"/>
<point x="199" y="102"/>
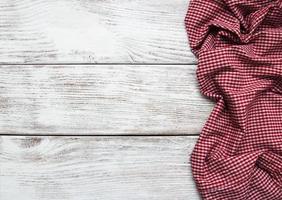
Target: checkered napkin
<point x="238" y="44"/>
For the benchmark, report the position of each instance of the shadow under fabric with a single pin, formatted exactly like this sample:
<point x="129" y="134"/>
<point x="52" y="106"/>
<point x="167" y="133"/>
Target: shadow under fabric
<point x="238" y="43"/>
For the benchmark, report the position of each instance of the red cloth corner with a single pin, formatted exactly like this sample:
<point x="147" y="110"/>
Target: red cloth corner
<point x="238" y="44"/>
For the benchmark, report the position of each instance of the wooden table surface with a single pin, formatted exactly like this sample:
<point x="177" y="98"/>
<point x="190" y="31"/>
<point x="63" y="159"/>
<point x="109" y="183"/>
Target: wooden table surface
<point x="99" y="100"/>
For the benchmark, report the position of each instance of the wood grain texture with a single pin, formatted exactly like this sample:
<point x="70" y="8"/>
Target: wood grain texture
<point x="108" y="31"/>
<point x="90" y="168"/>
<point x="101" y="99"/>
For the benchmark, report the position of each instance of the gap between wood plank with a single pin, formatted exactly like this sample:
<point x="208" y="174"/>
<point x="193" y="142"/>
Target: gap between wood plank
<point x="105" y="135"/>
<point x="62" y="63"/>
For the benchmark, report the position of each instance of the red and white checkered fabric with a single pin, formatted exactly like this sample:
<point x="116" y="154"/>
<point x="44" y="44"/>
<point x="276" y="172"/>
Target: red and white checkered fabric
<point x="238" y="44"/>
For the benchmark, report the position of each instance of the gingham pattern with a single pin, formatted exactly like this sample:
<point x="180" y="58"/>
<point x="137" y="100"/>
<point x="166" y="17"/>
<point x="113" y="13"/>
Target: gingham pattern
<point x="238" y="44"/>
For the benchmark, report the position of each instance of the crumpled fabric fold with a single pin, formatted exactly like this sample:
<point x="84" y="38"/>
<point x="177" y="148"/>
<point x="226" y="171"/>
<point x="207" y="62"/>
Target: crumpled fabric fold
<point x="238" y="44"/>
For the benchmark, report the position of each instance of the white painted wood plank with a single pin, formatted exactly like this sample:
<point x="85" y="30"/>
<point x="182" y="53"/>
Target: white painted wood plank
<point x="90" y="168"/>
<point x="108" y="31"/>
<point x="101" y="99"/>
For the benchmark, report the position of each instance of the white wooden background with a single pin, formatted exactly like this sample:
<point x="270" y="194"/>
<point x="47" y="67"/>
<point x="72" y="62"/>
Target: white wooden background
<point x="98" y="100"/>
